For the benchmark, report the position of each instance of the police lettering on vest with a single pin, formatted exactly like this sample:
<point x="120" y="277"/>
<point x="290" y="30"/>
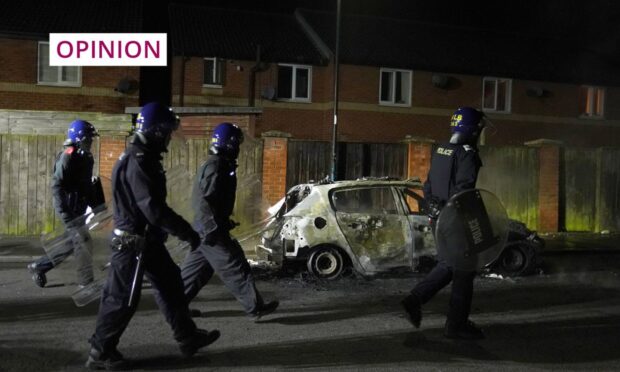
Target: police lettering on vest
<point x="444" y="151"/>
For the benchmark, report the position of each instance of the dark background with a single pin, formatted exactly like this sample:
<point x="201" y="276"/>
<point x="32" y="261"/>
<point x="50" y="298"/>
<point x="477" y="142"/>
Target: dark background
<point x="592" y="24"/>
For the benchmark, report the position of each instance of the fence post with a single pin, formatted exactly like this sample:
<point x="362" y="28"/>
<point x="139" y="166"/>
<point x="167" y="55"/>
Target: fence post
<point x="275" y="151"/>
<point x="549" y="178"/>
<point x="418" y="156"/>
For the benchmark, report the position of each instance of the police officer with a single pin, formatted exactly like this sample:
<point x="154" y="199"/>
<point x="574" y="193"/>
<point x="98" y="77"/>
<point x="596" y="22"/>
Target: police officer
<point x="142" y="221"/>
<point x="72" y="192"/>
<point x="454" y="168"/>
<point x="213" y="198"/>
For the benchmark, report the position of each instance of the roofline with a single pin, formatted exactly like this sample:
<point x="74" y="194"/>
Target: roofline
<point x="206" y="110"/>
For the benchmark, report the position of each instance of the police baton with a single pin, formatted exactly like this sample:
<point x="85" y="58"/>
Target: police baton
<point x="134" y="282"/>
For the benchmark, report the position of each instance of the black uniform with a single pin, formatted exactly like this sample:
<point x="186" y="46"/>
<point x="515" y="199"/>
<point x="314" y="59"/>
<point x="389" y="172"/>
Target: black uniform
<point x="213" y="200"/>
<point x="454" y="168"/>
<point x="72" y="192"/>
<point x="142" y="220"/>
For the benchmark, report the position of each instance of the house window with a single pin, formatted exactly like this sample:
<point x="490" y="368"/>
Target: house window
<point x="213" y="72"/>
<point x="496" y="94"/>
<point x="593" y="102"/>
<point x="56" y="75"/>
<point x="395" y="87"/>
<point x="294" y="82"/>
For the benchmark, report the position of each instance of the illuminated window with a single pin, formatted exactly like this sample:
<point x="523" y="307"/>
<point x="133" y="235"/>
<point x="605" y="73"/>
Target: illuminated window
<point x="496" y="94"/>
<point x="395" y="87"/>
<point x="213" y="72"/>
<point x="56" y="75"/>
<point x="294" y="83"/>
<point x="593" y="102"/>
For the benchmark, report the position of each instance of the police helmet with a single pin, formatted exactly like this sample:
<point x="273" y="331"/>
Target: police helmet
<point x="466" y="125"/>
<point x="155" y="124"/>
<point x="80" y="130"/>
<point x="227" y="138"/>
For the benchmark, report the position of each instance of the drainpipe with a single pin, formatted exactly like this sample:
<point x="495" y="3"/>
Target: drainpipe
<point x="252" y="84"/>
<point x="184" y="59"/>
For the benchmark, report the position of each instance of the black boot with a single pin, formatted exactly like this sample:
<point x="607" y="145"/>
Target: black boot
<point x="110" y="361"/>
<point x="413" y="309"/>
<point x="38" y="276"/>
<point x="264" y="309"/>
<point x="199" y="339"/>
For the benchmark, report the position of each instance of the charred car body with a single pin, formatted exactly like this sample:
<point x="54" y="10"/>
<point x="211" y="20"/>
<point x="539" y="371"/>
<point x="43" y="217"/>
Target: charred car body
<point x="372" y="226"/>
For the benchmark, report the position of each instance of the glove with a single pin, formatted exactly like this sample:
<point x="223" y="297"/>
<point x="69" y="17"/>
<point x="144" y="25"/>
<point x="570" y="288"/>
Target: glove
<point x="232" y="224"/>
<point x="192" y="238"/>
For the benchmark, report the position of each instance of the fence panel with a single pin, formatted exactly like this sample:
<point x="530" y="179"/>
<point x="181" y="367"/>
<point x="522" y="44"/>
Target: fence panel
<point x="591" y="184"/>
<point x="311" y="160"/>
<point x="307" y="161"/>
<point x="191" y="155"/>
<point x="580" y="184"/>
<point x="609" y="196"/>
<point x="511" y="173"/>
<point x="26" y="164"/>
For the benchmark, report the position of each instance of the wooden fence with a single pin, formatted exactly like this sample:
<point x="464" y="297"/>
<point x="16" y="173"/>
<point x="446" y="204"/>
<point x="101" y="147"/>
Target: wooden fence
<point x="26" y="163"/>
<point x="511" y="173"/>
<point x="589" y="189"/>
<point x="311" y="161"/>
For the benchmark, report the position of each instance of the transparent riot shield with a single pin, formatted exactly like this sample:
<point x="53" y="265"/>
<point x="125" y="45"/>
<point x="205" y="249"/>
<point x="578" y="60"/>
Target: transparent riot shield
<point x="78" y="253"/>
<point x="471" y="230"/>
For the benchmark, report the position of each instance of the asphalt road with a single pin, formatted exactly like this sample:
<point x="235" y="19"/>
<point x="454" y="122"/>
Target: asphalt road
<point x="567" y="318"/>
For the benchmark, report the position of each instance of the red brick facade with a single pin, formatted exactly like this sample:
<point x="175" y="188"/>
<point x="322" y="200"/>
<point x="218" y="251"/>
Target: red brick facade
<point x="19" y="89"/>
<point x="548" y="185"/>
<point x="274" y="167"/>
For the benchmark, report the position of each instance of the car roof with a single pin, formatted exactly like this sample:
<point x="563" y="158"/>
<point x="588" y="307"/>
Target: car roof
<point x="364" y="182"/>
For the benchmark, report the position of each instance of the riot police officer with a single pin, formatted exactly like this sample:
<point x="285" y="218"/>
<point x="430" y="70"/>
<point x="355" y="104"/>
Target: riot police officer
<point x="454" y="168"/>
<point x="72" y="192"/>
<point x="142" y="221"/>
<point x="213" y="198"/>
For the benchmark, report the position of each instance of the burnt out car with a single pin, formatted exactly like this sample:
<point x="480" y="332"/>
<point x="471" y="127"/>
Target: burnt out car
<point x="371" y="226"/>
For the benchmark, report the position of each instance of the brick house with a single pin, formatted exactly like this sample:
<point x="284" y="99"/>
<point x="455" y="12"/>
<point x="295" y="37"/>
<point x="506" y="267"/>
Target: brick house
<point x="273" y="74"/>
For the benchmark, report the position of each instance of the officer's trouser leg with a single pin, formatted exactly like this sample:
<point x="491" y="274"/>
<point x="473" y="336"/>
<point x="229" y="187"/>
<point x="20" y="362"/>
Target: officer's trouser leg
<point x="114" y="314"/>
<point x="165" y="276"/>
<point x="439" y="277"/>
<point x="230" y="264"/>
<point x="461" y="296"/>
<point x="196" y="272"/>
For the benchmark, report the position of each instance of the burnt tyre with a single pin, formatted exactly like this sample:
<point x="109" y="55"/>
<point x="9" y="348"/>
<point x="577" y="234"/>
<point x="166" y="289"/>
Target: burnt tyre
<point x="326" y="263"/>
<point x="517" y="259"/>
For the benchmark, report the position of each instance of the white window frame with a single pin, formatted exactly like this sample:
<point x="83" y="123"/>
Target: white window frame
<point x="58" y="81"/>
<point x="215" y="72"/>
<point x="393" y="86"/>
<point x="294" y="83"/>
<point x="592" y="113"/>
<point x="508" y="95"/>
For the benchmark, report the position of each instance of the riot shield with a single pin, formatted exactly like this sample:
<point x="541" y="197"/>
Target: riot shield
<point x="471" y="230"/>
<point x="78" y="252"/>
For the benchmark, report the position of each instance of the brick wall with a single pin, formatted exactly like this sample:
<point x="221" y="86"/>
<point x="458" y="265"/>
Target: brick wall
<point x="418" y="157"/>
<point x="549" y="185"/>
<point x="274" y="166"/>
<point x="202" y="126"/>
<point x="19" y="89"/>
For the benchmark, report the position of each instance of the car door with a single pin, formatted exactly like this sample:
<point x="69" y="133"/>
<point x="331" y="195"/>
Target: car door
<point x="417" y="215"/>
<point x="375" y="227"/>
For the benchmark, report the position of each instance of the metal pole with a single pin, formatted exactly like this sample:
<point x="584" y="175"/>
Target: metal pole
<point x="336" y="65"/>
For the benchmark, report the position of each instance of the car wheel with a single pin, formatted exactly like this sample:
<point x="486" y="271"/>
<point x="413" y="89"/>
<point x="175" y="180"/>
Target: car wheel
<point x="517" y="258"/>
<point x="326" y="263"/>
